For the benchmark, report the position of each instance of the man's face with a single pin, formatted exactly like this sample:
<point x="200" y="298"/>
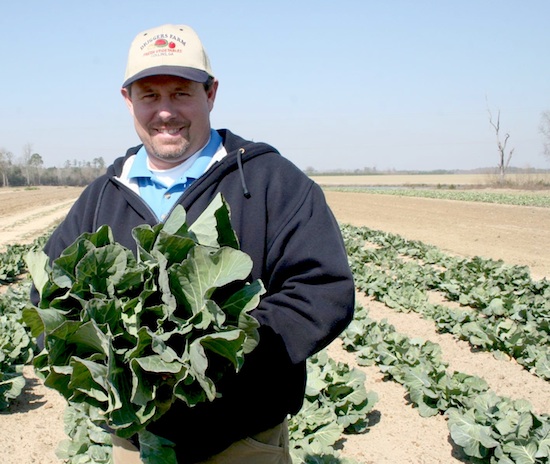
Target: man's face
<point x="171" y="117"/>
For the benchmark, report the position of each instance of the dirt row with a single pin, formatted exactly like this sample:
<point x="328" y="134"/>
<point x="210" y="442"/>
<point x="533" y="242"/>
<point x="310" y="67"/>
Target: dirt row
<point x="28" y="213"/>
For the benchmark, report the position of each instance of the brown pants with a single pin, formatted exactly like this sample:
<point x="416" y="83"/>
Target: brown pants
<point x="268" y="447"/>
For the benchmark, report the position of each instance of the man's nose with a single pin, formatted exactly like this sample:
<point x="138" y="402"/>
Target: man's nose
<point x="166" y="108"/>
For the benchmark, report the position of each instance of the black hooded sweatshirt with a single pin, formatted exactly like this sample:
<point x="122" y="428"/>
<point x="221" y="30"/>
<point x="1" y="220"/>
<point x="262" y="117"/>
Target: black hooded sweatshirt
<point x="284" y="224"/>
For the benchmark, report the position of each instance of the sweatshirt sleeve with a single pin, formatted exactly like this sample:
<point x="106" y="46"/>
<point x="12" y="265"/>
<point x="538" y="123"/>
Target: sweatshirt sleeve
<point x="311" y="296"/>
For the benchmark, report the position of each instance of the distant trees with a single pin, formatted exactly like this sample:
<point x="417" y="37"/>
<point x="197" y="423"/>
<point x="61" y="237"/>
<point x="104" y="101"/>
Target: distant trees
<point x="29" y="170"/>
<point x="5" y="163"/>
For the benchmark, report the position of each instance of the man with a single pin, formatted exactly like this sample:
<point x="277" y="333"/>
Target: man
<point x="282" y="221"/>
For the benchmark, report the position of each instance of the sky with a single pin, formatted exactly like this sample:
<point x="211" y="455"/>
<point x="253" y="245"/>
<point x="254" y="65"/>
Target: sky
<point x="333" y="85"/>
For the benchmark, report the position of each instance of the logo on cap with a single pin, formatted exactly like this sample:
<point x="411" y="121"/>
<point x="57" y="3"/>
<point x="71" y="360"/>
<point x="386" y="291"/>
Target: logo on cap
<point x="161" y="43"/>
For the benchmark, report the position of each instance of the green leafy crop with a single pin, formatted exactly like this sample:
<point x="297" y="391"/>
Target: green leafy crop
<point x="131" y="335"/>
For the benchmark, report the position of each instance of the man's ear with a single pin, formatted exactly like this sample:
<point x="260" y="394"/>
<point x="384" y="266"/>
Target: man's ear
<point x="126" y="94"/>
<point x="211" y="94"/>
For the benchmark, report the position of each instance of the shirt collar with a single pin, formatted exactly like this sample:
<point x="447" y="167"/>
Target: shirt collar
<point x="193" y="169"/>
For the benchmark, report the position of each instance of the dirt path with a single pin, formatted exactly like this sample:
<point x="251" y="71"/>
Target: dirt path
<point x="516" y="234"/>
<point x="28" y="213"/>
<point x="31" y="430"/>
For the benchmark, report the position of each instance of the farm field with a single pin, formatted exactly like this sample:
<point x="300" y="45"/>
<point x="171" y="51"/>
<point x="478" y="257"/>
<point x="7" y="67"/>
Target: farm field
<point x="463" y="180"/>
<point x="518" y="235"/>
<point x="398" y="179"/>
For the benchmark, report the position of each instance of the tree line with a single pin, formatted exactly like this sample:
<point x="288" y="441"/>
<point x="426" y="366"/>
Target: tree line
<point x="29" y="170"/>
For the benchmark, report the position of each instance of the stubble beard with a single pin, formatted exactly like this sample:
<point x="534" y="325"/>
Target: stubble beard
<point x="172" y="153"/>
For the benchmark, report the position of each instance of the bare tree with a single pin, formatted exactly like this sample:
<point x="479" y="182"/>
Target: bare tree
<point x="27" y="153"/>
<point x="544" y="129"/>
<point x="98" y="163"/>
<point x="504" y="159"/>
<point x="5" y="163"/>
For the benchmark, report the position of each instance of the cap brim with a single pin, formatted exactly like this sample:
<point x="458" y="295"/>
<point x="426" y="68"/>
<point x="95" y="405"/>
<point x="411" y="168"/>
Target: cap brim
<point x="192" y="74"/>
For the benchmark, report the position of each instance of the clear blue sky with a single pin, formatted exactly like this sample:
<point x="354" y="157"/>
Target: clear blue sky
<point x="341" y="84"/>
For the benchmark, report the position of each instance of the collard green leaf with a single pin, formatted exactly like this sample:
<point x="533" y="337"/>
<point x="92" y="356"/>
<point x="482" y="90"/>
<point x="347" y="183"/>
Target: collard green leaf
<point x="205" y="271"/>
<point x="542" y="435"/>
<point x="243" y="300"/>
<point x="149" y="373"/>
<point x="102" y="268"/>
<point x="38" y="266"/>
<point x="64" y="267"/>
<point x="542" y="366"/>
<point x="163" y="279"/>
<point x="102" y="311"/>
<point x="198" y="364"/>
<point x="155" y="449"/>
<point x="11" y="386"/>
<point x="121" y="412"/>
<point x="227" y="344"/>
<point x="213" y="227"/>
<point x="145" y="237"/>
<point x="58" y="378"/>
<point x="157" y="365"/>
<point x="176" y="223"/>
<point x="249" y="325"/>
<point x="33" y="318"/>
<point x="89" y="339"/>
<point x="473" y="437"/>
<point x="89" y="380"/>
<point x="174" y="248"/>
<point x="522" y="452"/>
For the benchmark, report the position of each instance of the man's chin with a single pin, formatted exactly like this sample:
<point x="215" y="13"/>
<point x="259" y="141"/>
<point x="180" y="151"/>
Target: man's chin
<point x="169" y="159"/>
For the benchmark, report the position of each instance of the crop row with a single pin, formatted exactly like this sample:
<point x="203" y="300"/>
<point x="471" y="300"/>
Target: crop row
<point x="488" y="428"/>
<point x="517" y="199"/>
<point x="16" y="345"/>
<point x="502" y="308"/>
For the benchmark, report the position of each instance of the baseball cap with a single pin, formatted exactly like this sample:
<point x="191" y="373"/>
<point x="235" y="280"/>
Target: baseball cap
<point x="171" y="50"/>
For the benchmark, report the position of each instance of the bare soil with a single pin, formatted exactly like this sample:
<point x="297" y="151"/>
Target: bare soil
<point x="31" y="430"/>
<point x="28" y="213"/>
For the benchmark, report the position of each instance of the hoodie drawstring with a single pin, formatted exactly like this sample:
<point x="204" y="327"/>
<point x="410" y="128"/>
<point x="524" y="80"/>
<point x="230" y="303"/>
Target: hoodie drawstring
<point x="246" y="192"/>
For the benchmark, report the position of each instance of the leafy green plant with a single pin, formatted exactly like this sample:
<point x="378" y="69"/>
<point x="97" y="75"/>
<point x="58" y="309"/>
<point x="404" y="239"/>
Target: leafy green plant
<point x="12" y="263"/>
<point x="132" y="335"/>
<point x="490" y="429"/>
<point x="336" y="403"/>
<point x="16" y="344"/>
<point x="87" y="442"/>
<point x="504" y="310"/>
<point x="12" y="260"/>
<point x="497" y="429"/>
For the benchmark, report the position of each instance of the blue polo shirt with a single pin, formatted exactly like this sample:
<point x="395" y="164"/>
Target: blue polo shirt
<point x="162" y="189"/>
